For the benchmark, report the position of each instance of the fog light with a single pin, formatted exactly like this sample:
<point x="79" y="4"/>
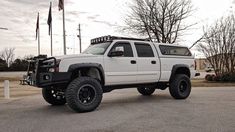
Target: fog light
<point x="46" y="77"/>
<point x="51" y="70"/>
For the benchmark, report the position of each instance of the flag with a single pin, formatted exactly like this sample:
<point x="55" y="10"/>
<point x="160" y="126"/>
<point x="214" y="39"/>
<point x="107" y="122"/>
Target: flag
<point x="61" y="5"/>
<point x="49" y="20"/>
<point x="37" y="26"/>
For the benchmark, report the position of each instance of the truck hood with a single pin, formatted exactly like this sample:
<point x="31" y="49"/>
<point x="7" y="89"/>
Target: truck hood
<point x="75" y="56"/>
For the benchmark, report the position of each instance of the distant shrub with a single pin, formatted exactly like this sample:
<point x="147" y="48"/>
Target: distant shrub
<point x="217" y="78"/>
<point x="228" y="77"/>
<point x="232" y="78"/>
<point x="225" y="77"/>
<point x="213" y="77"/>
<point x="208" y="77"/>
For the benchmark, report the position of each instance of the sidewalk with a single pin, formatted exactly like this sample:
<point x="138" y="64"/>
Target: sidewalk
<point x="17" y="90"/>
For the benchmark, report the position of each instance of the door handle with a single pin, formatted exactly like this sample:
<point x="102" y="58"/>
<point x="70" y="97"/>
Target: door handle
<point x="133" y="62"/>
<point x="153" y="62"/>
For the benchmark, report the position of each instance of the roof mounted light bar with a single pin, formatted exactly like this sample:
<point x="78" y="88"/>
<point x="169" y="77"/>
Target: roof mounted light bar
<point x="110" y="38"/>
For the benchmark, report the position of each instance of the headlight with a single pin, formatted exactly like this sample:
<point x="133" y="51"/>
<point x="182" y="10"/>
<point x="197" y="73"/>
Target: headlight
<point x="56" y="68"/>
<point x="58" y="62"/>
<point x="57" y="65"/>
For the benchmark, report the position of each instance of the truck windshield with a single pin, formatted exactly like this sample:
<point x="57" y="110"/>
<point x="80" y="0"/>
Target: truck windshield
<point x="97" y="49"/>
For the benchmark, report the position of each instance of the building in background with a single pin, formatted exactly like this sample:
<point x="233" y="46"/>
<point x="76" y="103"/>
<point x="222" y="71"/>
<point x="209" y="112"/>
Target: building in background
<point x="202" y="64"/>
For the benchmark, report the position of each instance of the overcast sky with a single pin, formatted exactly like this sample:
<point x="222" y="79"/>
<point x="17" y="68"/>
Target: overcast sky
<point x="97" y="18"/>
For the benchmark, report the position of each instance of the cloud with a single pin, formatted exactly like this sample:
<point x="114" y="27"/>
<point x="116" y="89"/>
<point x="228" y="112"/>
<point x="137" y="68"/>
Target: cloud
<point x="16" y="20"/>
<point x="19" y="16"/>
<point x="93" y="17"/>
<point x="76" y="13"/>
<point x="70" y="20"/>
<point x="41" y="3"/>
<point x="105" y="23"/>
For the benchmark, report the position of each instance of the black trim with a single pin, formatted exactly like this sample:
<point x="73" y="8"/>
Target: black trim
<point x="133" y="61"/>
<point x="49" y="78"/>
<point x="157" y="85"/>
<point x="176" y="67"/>
<point x="180" y="57"/>
<point x="39" y="75"/>
<point x="153" y="62"/>
<point x="88" y="65"/>
<point x="113" y="87"/>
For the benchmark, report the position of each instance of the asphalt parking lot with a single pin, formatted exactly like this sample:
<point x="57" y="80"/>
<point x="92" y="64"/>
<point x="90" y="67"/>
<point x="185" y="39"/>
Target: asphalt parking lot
<point x="206" y="110"/>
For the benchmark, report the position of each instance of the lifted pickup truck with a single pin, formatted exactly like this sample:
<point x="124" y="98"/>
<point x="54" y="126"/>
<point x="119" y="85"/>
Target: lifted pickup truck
<point x="113" y="63"/>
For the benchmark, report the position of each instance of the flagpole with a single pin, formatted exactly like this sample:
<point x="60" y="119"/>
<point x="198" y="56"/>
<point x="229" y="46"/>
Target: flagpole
<point x="51" y="42"/>
<point x="51" y="32"/>
<point x="64" y="30"/>
<point x="38" y="36"/>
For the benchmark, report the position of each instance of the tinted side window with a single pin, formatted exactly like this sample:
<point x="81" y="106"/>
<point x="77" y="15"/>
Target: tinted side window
<point x="144" y="50"/>
<point x="174" y="50"/>
<point x="126" y="47"/>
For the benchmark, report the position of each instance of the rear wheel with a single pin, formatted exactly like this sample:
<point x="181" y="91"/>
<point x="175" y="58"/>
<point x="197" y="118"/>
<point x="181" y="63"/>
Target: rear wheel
<point x="146" y="90"/>
<point x="54" y="96"/>
<point x="180" y="86"/>
<point x="84" y="94"/>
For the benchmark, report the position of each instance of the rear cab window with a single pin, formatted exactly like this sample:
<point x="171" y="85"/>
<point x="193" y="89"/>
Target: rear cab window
<point x="174" y="50"/>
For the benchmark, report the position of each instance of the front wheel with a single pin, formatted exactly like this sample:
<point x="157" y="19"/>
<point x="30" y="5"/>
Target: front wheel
<point x="53" y="96"/>
<point x="146" y="91"/>
<point x="84" y="94"/>
<point x="180" y="86"/>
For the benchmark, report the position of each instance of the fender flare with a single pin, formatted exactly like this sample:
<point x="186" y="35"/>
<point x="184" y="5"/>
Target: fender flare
<point x="88" y="65"/>
<point x="176" y="67"/>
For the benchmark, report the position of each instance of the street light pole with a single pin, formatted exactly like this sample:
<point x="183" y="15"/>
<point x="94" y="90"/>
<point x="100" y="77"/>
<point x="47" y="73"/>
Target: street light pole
<point x="80" y="38"/>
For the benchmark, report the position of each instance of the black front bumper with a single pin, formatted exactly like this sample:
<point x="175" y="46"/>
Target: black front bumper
<point x="39" y="75"/>
<point x="49" y="79"/>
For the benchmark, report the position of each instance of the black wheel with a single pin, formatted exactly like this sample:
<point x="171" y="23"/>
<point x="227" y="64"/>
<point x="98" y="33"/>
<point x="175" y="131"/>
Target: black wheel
<point x="180" y="86"/>
<point x="145" y="90"/>
<point x="54" y="96"/>
<point x="84" y="94"/>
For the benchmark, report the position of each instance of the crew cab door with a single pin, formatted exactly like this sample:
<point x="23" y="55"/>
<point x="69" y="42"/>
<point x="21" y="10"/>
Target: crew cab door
<point x="148" y="63"/>
<point x="122" y="69"/>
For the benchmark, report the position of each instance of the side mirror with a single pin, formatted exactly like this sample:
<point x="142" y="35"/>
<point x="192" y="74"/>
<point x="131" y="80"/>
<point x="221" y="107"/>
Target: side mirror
<point x="115" y="53"/>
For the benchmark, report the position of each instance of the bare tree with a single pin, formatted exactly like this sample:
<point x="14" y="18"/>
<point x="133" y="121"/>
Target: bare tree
<point x="8" y="55"/>
<point x="219" y="45"/>
<point x="160" y="20"/>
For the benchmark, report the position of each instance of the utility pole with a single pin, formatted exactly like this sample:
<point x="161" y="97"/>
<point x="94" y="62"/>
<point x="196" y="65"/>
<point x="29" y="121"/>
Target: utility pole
<point x="80" y="38"/>
<point x="38" y="33"/>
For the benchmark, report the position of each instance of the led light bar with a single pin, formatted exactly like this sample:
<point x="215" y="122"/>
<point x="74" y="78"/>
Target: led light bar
<point x="101" y="39"/>
<point x="110" y="38"/>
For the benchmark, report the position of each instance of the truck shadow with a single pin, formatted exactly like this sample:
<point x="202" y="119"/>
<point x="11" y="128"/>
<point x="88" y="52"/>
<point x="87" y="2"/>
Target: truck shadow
<point x="108" y="102"/>
<point x="135" y="100"/>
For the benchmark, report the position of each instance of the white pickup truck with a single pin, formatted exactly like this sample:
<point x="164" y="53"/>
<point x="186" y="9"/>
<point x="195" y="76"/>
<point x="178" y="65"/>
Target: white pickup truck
<point x="113" y="63"/>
